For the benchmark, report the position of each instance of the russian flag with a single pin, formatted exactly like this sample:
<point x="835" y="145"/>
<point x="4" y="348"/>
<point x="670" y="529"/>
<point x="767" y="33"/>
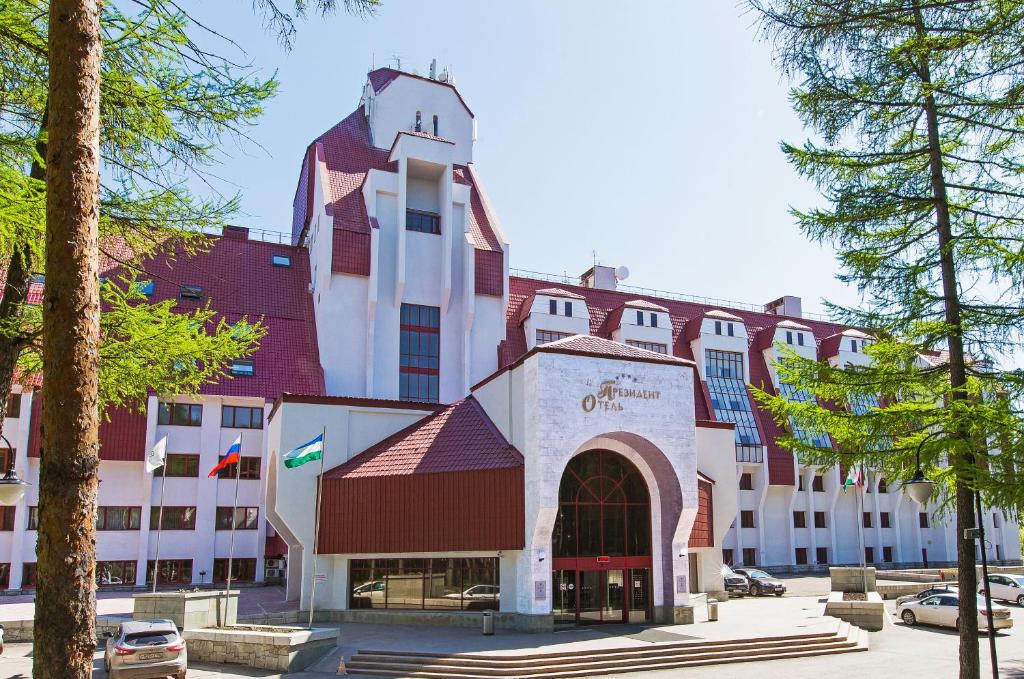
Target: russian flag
<point x="230" y="457"/>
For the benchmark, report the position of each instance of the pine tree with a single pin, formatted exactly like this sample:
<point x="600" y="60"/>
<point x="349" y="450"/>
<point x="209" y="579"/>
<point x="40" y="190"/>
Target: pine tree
<point x="918" y="108"/>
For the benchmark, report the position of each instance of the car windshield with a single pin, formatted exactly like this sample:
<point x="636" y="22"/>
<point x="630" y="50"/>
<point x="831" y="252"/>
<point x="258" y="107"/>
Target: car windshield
<point x="758" y="574"/>
<point x="152" y="638"/>
<point x="1019" y="579"/>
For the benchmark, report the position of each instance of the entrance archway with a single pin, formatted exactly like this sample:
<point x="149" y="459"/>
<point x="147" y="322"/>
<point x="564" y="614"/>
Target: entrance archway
<point x="601" y="542"/>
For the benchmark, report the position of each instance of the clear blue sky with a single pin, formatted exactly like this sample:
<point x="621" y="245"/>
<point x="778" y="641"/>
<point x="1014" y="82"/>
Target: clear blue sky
<point x="645" y="131"/>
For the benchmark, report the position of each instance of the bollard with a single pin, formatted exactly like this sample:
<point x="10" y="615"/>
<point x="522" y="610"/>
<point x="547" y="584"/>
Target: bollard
<point x="712" y="610"/>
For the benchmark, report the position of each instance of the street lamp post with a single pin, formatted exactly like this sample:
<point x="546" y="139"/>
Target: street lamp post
<point x="12" y="489"/>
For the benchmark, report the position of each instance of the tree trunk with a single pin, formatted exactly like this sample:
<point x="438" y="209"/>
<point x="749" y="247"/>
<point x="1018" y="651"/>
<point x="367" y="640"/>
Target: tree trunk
<point x="66" y="599"/>
<point x="970" y="664"/>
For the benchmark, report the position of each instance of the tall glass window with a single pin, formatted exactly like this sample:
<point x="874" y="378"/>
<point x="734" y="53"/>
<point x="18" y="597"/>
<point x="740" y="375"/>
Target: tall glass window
<point x="809" y="436"/>
<point x="433" y="584"/>
<point x="420" y="353"/>
<point x="731" y="402"/>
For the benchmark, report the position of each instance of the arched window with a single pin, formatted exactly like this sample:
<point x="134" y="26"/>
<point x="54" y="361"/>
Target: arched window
<point x="435" y="127"/>
<point x="419" y="121"/>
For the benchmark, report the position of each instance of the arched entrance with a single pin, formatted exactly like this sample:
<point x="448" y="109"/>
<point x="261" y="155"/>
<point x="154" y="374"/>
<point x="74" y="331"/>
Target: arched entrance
<point x="601" y="542"/>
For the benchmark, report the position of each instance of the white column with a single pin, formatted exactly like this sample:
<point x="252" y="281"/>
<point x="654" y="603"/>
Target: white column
<point x="898" y="529"/>
<point x="147" y="481"/>
<point x="206" y="503"/>
<point x="762" y="496"/>
<point x="738" y="558"/>
<point x="812" y="529"/>
<point x="20" y="444"/>
<point x="403" y="186"/>
<point x="448" y="232"/>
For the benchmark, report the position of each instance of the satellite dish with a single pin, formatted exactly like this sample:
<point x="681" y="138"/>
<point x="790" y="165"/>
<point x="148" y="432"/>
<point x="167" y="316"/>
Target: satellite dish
<point x="621" y="273"/>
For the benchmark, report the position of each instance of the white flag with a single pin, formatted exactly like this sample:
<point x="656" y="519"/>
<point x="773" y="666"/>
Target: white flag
<point x="155" y="459"/>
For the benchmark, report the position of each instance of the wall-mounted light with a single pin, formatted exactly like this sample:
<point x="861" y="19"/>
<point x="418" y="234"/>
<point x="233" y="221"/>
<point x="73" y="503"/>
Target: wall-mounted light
<point x="541" y="555"/>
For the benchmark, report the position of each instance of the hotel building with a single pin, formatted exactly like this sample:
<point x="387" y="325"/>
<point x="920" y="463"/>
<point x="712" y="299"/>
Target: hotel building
<point x="561" y="451"/>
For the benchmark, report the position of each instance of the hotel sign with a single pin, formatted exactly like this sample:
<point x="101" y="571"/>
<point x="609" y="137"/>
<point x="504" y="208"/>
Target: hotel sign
<point x="610" y="395"/>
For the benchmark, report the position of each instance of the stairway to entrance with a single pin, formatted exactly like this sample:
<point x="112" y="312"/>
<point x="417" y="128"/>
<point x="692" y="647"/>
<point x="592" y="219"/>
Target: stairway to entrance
<point x="582" y="663"/>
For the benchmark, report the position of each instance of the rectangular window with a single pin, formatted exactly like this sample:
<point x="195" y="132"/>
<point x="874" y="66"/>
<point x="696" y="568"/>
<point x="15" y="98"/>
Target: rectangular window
<point x="867" y="519"/>
<point x="718" y="327"/>
<point x="439" y="584"/>
<point x="821" y="554"/>
<point x="818" y="484"/>
<point x="33" y="519"/>
<point x="801" y="556"/>
<point x="819" y="520"/>
<point x="656" y="347"/>
<point x="799" y="520"/>
<point x="250" y="469"/>
<point x="746" y="481"/>
<point x="654" y="320"/>
<point x="242" y="570"/>
<point x="419" y="353"/>
<point x="241" y="417"/>
<point x="639" y="318"/>
<point x="190" y="292"/>
<point x="28" y="576"/>
<point x="789" y="337"/>
<point x="922" y="519"/>
<point x="749" y="556"/>
<point x="995" y="519"/>
<point x="183" y="414"/>
<point x="731" y="401"/>
<point x="422" y="222"/>
<point x="115" y="573"/>
<point x="6" y="459"/>
<point x="800" y="338"/>
<point x="246" y="518"/>
<point x="884" y="518"/>
<point x="800" y="482"/>
<point x="172" y="572"/>
<point x="5" y="575"/>
<point x="281" y="260"/>
<point x="728" y="327"/>
<point x="887" y="554"/>
<point x="553" y="307"/>
<point x="746" y="518"/>
<point x="174" y="518"/>
<point x="180" y="465"/>
<point x="882" y="487"/>
<point x="243" y="367"/>
<point x="7" y="517"/>
<point x="568" y="309"/>
<point x="727" y="557"/>
<point x="809" y="435"/>
<point x="545" y="336"/>
<point x="13" y="407"/>
<point x="869" y="554"/>
<point x="118" y="518"/>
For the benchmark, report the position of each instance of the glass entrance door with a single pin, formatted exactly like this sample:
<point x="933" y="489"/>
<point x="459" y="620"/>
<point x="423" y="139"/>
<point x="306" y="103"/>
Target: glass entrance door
<point x="591" y="597"/>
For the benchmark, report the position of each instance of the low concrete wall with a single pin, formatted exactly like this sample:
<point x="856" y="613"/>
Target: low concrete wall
<point x="852" y="579"/>
<point x="869" y="615"/>
<point x="21" y="631"/>
<point x="188" y="610"/>
<point x="271" y="648"/>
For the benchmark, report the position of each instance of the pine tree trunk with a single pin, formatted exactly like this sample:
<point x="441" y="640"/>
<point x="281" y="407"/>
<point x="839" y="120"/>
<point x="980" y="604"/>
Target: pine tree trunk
<point x="970" y="664"/>
<point x="66" y="599"/>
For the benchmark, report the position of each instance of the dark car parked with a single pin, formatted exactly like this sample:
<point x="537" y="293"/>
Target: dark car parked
<point x="761" y="582"/>
<point x="734" y="582"/>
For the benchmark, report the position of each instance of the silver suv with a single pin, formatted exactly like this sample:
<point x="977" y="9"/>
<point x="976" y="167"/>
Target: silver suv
<point x="145" y="649"/>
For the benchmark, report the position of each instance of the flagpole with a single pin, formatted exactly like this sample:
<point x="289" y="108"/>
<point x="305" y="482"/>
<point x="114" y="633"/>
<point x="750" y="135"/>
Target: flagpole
<point x="316" y="522"/>
<point x="159" y="525"/>
<point x="231" y="543"/>
<point x="860" y="529"/>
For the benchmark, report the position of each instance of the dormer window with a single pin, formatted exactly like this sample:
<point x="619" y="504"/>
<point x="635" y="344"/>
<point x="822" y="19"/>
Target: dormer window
<point x="190" y="292"/>
<point x="853" y="345"/>
<point x="729" y="330"/>
<point x="789" y="337"/>
<point x="419" y="122"/>
<point x="243" y="367"/>
<point x="639" y="318"/>
<point x="800" y="338"/>
<point x="568" y="309"/>
<point x="281" y="260"/>
<point x="553" y="307"/>
<point x="435" y="127"/>
<point x="654" y="320"/>
<point x="718" y="327"/>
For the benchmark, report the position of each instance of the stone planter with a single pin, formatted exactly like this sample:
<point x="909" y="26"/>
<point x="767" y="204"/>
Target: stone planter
<point x="851" y="578"/>
<point x="188" y="610"/>
<point x="869" y="615"/>
<point x="285" y="649"/>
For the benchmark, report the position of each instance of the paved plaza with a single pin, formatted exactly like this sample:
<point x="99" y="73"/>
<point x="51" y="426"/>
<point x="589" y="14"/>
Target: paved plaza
<point x="897" y="651"/>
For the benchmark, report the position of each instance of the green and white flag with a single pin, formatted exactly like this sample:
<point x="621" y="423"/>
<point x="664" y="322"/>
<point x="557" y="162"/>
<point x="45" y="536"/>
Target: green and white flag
<point x="855" y="477"/>
<point x="307" y="452"/>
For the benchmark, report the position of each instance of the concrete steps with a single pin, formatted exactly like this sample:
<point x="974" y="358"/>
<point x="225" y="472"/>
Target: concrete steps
<point x="590" y="662"/>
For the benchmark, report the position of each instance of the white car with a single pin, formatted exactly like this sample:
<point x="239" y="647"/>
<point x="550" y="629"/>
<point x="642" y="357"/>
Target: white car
<point x="924" y="594"/>
<point x="484" y="592"/>
<point x="943" y="610"/>
<point x="1006" y="587"/>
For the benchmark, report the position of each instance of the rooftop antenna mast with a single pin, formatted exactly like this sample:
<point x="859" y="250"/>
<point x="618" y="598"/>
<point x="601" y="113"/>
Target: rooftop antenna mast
<point x="397" y="58"/>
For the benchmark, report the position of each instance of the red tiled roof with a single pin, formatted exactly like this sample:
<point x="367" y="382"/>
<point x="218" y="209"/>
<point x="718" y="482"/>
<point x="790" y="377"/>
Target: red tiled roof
<point x="558" y="292"/>
<point x="588" y="345"/>
<point x="380" y="78"/>
<point x="601" y="303"/>
<point x="644" y="304"/>
<point x="422" y="135"/>
<point x="458" y="438"/>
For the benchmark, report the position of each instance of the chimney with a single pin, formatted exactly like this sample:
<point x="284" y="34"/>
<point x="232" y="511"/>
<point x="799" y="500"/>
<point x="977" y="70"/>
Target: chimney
<point x="786" y="305"/>
<point x="237" y="232"/>
<point x="600" y="277"/>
